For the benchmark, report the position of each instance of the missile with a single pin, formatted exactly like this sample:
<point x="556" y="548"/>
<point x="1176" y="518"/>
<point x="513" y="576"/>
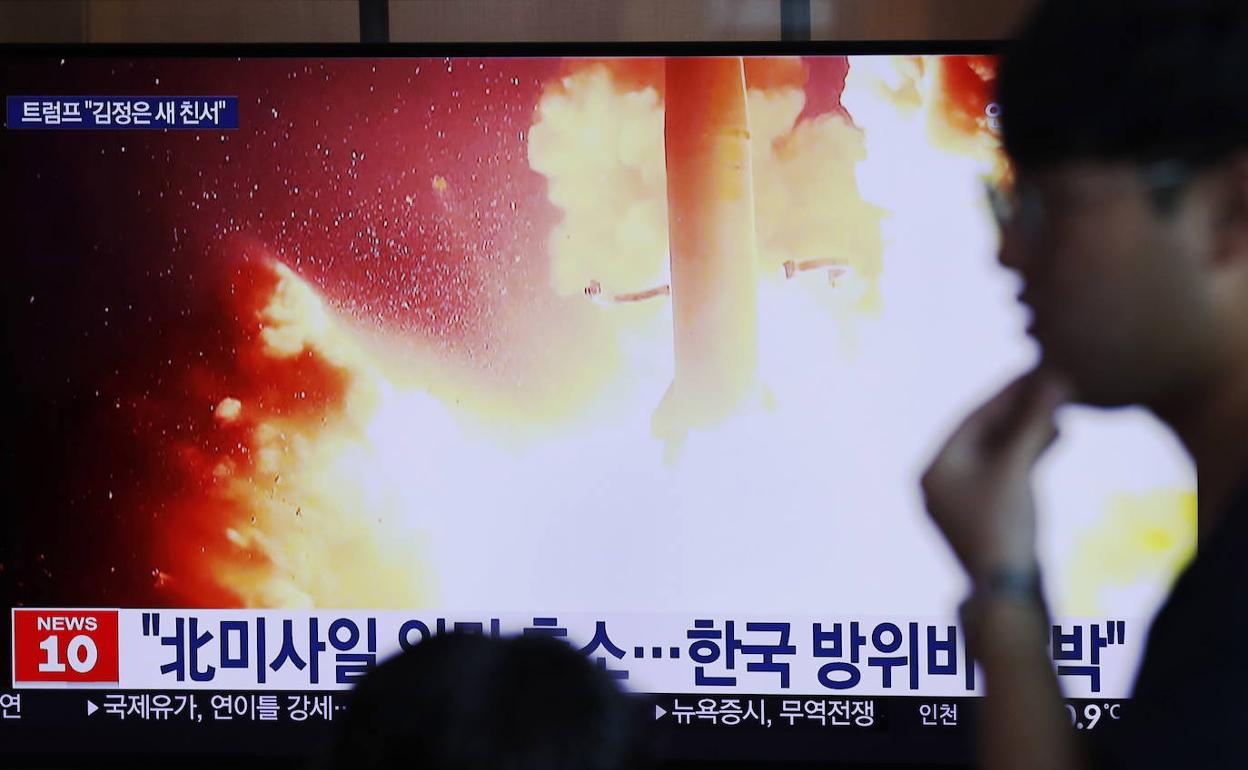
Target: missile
<point x="712" y="243"/>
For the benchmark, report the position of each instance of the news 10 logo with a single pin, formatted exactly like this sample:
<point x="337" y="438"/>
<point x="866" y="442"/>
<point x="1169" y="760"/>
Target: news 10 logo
<point x="55" y="646"/>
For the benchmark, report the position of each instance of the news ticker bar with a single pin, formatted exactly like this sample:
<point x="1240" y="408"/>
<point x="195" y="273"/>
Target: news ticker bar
<point x="669" y="710"/>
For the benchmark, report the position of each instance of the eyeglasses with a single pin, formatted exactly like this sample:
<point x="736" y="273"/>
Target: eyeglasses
<point x="1022" y="208"/>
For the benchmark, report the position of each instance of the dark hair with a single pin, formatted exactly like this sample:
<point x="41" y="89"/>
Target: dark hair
<point x="1127" y="80"/>
<point x="471" y="702"/>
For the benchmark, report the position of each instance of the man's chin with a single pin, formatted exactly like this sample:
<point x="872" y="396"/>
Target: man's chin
<point x="1102" y="392"/>
<point x="1082" y="388"/>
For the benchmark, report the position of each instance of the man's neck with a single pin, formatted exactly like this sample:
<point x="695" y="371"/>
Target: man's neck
<point x="1213" y="426"/>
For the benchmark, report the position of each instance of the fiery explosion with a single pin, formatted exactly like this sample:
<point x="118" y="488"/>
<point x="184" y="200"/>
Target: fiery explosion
<point x="423" y="370"/>
<point x="327" y="506"/>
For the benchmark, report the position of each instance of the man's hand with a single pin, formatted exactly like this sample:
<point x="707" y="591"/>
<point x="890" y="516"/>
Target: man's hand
<point x="978" y="489"/>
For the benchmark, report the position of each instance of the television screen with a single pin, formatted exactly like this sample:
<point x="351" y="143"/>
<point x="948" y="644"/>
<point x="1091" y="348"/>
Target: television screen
<point x="313" y="354"/>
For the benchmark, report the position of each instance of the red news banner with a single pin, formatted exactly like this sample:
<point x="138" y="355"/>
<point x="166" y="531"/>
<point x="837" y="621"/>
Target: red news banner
<point x="65" y="646"/>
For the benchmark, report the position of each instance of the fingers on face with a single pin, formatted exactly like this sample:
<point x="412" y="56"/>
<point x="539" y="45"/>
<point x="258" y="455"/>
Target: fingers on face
<point x="981" y="428"/>
<point x="1036" y="429"/>
<point x="1014" y="427"/>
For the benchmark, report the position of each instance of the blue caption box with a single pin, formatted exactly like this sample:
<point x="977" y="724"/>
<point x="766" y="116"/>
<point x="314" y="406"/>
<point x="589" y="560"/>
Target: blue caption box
<point x="212" y="113"/>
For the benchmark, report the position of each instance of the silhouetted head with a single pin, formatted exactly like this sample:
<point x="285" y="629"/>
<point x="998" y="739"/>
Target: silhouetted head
<point x="1127" y="125"/>
<point x="471" y="702"/>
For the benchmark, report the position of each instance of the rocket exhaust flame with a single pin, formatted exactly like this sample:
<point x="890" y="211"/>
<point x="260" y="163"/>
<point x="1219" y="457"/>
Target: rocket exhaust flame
<point x="695" y="194"/>
<point x="718" y="187"/>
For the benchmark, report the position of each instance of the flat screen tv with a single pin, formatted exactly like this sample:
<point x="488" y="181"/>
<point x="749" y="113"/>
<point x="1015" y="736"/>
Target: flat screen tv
<point x="313" y="352"/>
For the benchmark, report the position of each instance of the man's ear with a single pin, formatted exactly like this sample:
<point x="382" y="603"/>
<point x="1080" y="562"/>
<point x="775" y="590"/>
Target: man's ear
<point x="1233" y="217"/>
